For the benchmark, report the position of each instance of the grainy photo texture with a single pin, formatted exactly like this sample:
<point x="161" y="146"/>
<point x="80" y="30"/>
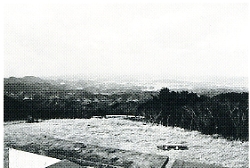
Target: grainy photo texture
<point x="126" y="85"/>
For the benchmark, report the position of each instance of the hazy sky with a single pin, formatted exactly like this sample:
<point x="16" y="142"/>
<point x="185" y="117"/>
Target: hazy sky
<point x="127" y="39"/>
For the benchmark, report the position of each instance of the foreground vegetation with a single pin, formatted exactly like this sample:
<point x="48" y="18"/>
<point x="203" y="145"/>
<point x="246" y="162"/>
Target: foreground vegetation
<point x="225" y="114"/>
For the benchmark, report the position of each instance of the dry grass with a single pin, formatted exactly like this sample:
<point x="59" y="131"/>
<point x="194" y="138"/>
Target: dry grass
<point x="129" y="135"/>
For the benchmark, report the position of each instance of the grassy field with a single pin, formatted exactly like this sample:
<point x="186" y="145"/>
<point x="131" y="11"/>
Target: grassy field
<point x="135" y="136"/>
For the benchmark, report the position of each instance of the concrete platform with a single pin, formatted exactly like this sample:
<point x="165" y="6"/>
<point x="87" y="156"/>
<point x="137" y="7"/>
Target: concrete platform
<point x="21" y="159"/>
<point x="66" y="164"/>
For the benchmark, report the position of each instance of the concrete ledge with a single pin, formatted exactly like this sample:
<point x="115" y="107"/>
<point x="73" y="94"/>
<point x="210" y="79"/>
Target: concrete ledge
<point x="91" y="155"/>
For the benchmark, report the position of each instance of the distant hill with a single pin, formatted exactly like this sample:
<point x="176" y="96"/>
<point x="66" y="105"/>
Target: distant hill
<point x="27" y="84"/>
<point x="26" y="79"/>
<point x="209" y="87"/>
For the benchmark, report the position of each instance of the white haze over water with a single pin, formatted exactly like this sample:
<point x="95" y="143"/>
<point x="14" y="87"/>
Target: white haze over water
<point x="178" y="41"/>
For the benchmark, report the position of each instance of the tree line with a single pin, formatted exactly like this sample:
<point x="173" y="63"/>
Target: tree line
<point x="225" y="114"/>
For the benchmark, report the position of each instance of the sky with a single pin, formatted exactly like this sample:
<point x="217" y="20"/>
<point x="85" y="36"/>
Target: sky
<point x="126" y="39"/>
